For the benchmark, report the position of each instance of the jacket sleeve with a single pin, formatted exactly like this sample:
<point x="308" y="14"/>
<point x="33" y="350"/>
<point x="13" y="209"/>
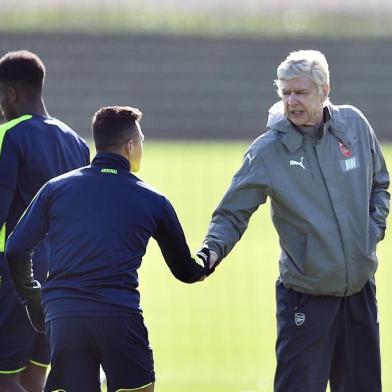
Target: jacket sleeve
<point x="249" y="188"/>
<point x="87" y="154"/>
<point x="9" y="171"/>
<point x="379" y="199"/>
<point x="31" y="228"/>
<point x="6" y="197"/>
<point x="171" y="240"/>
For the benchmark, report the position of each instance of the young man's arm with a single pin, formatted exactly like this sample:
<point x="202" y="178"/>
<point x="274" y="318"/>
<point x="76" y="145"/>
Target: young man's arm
<point x="175" y="250"/>
<point x="29" y="231"/>
<point x="6" y="197"/>
<point x="9" y="170"/>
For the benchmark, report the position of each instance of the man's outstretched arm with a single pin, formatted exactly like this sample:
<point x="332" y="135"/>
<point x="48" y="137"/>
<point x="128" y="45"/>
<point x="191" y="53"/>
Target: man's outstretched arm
<point x="171" y="239"/>
<point x="249" y="188"/>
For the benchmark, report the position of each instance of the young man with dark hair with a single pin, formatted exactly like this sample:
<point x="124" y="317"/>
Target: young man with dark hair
<point x="99" y="220"/>
<point x="34" y="148"/>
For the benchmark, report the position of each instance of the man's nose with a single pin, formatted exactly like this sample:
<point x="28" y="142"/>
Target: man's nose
<point x="292" y="98"/>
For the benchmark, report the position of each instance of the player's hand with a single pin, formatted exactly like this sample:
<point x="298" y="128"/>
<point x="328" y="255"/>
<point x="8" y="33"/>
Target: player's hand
<point x="209" y="258"/>
<point x="36" y="314"/>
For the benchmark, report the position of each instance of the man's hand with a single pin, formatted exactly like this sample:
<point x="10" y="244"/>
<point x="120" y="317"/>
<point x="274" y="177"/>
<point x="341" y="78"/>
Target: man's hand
<point x="36" y="314"/>
<point x="209" y="258"/>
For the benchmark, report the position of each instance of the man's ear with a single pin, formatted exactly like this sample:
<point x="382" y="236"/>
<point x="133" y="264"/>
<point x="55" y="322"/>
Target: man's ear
<point x="12" y="94"/>
<point x="130" y="145"/>
<point x="326" y="90"/>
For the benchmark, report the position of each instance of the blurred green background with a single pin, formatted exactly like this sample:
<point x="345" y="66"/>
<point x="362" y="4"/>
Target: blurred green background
<point x="213" y="17"/>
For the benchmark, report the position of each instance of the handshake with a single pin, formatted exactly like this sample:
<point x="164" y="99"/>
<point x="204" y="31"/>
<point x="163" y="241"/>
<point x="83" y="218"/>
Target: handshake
<point x="34" y="309"/>
<point x="209" y="259"/>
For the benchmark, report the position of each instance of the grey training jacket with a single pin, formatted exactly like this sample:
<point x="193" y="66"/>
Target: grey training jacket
<point x="329" y="201"/>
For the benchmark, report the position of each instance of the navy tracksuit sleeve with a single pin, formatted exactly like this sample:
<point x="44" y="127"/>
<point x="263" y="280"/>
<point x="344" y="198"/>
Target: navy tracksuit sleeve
<point x="9" y="162"/>
<point x="171" y="240"/>
<point x="6" y="196"/>
<point x="9" y="171"/>
<point x="31" y="228"/>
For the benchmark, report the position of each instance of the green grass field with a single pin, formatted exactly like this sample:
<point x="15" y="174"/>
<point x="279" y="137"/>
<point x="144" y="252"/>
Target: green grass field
<point x="219" y="335"/>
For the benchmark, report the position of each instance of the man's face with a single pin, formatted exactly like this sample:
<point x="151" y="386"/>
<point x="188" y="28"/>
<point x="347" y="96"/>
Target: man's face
<point x="303" y="104"/>
<point x="136" y="151"/>
<point x="7" y="102"/>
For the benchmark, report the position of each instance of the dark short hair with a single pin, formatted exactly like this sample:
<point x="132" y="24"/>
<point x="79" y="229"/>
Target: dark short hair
<point x="22" y="66"/>
<point x="114" y="125"/>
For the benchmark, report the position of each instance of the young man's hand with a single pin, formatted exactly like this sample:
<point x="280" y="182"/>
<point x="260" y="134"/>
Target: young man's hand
<point x="209" y="258"/>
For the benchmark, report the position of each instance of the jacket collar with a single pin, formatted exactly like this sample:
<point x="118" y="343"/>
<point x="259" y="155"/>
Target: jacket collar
<point x="292" y="138"/>
<point x="111" y="160"/>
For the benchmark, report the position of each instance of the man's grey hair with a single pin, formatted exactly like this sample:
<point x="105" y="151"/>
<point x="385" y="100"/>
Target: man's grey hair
<point x="309" y="63"/>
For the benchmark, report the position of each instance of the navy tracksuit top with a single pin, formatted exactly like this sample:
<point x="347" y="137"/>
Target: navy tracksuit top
<point x="33" y="149"/>
<point x="99" y="220"/>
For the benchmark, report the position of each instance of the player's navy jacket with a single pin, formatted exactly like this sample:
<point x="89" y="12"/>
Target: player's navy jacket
<point x="33" y="149"/>
<point x="99" y="220"/>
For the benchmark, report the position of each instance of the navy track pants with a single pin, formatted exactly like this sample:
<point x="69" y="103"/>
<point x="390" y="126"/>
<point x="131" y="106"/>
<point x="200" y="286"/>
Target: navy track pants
<point x="323" y="338"/>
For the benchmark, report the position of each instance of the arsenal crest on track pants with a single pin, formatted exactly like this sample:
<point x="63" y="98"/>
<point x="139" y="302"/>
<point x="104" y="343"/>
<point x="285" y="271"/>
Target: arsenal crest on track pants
<point x="323" y="338"/>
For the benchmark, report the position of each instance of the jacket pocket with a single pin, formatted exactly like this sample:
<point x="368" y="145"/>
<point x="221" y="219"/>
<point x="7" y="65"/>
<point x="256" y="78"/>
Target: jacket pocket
<point x="373" y="236"/>
<point x="295" y="246"/>
<point x="299" y="300"/>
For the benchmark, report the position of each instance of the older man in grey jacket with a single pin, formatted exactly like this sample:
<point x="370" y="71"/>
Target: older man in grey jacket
<point x="323" y="169"/>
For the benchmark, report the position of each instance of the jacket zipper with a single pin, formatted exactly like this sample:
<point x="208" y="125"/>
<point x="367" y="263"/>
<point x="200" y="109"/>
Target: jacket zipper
<point x="336" y="218"/>
<point x="305" y="149"/>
